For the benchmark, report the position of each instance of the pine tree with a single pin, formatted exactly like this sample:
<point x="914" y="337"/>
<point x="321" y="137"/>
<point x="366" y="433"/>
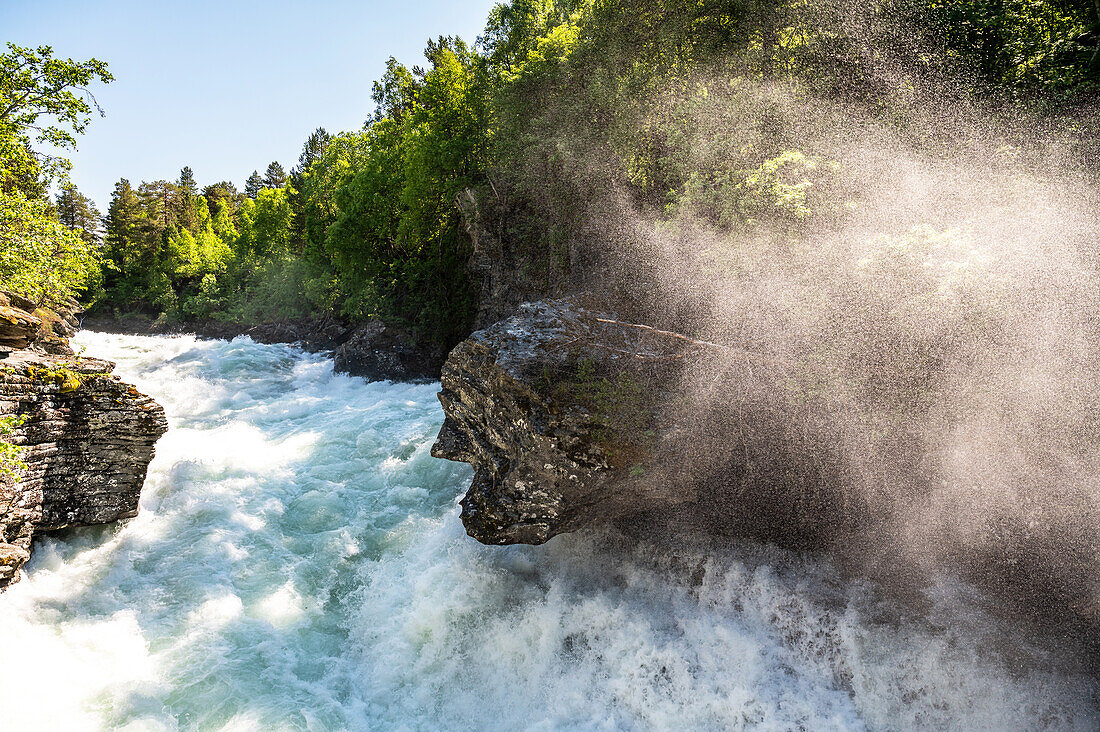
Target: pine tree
<point x="157" y="198"/>
<point x="66" y="205"/>
<point x="123" y="242"/>
<point x="275" y="176"/>
<point x="254" y="184"/>
<point x="78" y="212"/>
<point x="122" y="216"/>
<point x="186" y="190"/>
<point x="186" y="183"/>
<point x="313" y="149"/>
<point x="221" y="193"/>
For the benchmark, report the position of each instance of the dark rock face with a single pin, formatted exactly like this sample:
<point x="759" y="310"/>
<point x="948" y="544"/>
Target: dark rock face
<point x="555" y="444"/>
<point x="377" y="352"/>
<point x="86" y="441"/>
<point x="572" y="418"/>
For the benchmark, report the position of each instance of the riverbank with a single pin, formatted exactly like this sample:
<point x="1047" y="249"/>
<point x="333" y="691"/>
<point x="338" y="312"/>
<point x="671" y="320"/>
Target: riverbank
<point x="370" y="349"/>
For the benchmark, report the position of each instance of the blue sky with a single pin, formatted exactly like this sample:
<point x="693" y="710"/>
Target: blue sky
<point x="226" y="87"/>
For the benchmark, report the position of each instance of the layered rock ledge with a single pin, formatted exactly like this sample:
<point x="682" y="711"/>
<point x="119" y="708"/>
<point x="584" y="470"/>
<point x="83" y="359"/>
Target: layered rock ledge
<point x="83" y="438"/>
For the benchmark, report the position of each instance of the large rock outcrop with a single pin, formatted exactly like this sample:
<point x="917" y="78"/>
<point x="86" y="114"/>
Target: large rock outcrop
<point x="571" y="417"/>
<point x="555" y="409"/>
<point x="83" y="438"/>
<point x="376" y="352"/>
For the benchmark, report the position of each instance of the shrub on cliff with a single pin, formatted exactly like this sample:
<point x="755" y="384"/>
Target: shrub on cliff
<point x="11" y="455"/>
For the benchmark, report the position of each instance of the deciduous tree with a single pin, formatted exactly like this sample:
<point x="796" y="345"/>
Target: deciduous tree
<point x="43" y="100"/>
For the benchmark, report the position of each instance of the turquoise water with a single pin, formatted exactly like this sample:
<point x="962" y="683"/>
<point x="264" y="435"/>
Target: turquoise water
<point x="299" y="564"/>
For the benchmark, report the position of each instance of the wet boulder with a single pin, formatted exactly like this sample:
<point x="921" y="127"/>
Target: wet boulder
<point x="556" y="410"/>
<point x="378" y="352"/>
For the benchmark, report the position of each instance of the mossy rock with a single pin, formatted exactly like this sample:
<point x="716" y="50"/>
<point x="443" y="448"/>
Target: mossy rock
<point x="622" y="406"/>
<point x="66" y="379"/>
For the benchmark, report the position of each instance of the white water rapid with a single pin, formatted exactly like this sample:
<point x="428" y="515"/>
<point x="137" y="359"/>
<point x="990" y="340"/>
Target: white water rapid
<point x="299" y="564"/>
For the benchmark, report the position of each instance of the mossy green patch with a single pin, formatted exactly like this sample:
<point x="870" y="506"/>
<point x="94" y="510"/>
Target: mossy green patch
<point x="622" y="405"/>
<point x="66" y="378"/>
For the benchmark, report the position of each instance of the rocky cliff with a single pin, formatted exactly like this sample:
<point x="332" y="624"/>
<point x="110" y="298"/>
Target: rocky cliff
<point x="572" y="417"/>
<point x="83" y="438"/>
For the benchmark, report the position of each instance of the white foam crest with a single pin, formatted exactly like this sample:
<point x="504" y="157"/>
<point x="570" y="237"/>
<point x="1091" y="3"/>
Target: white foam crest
<point x="585" y="633"/>
<point x="299" y="564"/>
<point x="282" y="608"/>
<point x="45" y="662"/>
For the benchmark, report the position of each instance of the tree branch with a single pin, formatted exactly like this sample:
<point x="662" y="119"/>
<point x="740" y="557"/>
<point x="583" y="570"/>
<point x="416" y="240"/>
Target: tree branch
<point x="707" y="344"/>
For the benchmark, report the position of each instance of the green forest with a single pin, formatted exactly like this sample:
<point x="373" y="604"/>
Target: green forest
<point x="556" y="100"/>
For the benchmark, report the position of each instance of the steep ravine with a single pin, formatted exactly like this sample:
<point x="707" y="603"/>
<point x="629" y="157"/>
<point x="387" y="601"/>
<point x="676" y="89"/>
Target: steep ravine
<point x="299" y="563"/>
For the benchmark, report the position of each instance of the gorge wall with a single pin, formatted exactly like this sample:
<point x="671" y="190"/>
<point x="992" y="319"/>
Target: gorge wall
<point x="572" y="417"/>
<point x="83" y="438"/>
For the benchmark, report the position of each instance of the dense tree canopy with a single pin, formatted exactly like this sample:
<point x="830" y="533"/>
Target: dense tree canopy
<point x="46" y="254"/>
<point x="560" y="100"/>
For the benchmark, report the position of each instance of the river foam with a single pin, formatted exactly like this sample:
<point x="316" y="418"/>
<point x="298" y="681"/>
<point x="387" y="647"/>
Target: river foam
<point x="299" y="564"/>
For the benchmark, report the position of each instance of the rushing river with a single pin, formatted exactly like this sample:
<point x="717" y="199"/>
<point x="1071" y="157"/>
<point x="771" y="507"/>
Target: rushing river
<point x="299" y="564"/>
